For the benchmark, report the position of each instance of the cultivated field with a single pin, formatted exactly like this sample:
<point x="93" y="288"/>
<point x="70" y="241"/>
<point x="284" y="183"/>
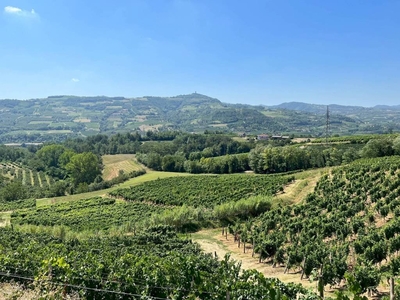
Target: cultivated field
<point x="113" y="164"/>
<point x="102" y="193"/>
<point x="25" y="175"/>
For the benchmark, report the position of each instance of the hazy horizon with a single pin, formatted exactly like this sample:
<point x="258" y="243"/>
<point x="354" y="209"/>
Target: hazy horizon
<point x="172" y="96"/>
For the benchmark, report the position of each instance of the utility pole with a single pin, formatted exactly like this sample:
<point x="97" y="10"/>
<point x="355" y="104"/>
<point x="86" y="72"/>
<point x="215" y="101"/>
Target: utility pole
<point x="327" y="128"/>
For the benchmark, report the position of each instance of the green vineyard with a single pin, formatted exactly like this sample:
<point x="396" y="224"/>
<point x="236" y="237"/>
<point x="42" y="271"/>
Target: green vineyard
<point x="86" y="215"/>
<point x="155" y="264"/>
<point x="26" y="176"/>
<point x="204" y="190"/>
<point x="350" y="222"/>
<point x="335" y="230"/>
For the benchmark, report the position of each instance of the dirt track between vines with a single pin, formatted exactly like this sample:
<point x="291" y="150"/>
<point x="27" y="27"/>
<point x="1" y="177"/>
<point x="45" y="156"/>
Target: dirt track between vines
<point x="212" y="241"/>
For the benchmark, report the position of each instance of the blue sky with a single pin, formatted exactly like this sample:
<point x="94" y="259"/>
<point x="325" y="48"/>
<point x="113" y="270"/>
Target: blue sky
<point x="255" y="52"/>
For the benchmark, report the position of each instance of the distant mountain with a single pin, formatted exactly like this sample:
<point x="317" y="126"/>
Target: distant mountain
<point x="321" y="109"/>
<point x="333" y="108"/>
<point x="65" y="116"/>
<point x="387" y="107"/>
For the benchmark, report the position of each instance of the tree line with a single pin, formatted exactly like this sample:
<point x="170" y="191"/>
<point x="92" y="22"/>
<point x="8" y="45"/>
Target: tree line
<point x="266" y="159"/>
<point x="76" y="163"/>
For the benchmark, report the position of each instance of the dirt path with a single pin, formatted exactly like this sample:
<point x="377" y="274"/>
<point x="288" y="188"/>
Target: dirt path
<point x="304" y="184"/>
<point x="212" y="241"/>
<point x="15" y="291"/>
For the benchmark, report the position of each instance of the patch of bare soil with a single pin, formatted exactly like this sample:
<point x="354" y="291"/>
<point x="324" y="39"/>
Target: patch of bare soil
<point x="300" y="188"/>
<point x="212" y="241"/>
<point x="220" y="245"/>
<point x="13" y="291"/>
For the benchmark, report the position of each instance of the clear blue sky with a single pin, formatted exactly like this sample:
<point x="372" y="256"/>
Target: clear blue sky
<point x="256" y="52"/>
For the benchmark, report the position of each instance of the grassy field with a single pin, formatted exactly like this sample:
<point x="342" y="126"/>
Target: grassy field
<point x="114" y="163"/>
<point x="5" y="218"/>
<point x="151" y="175"/>
<point x="304" y="184"/>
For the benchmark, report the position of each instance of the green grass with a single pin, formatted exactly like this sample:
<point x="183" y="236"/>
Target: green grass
<point x="114" y="163"/>
<point x="310" y="173"/>
<point x="24" y="177"/>
<point x="31" y="179"/>
<point x="39" y="122"/>
<point x="208" y="235"/>
<point x="5" y="218"/>
<point x="151" y="175"/>
<point x="93" y="125"/>
<point x="274" y="114"/>
<point x="48" y="180"/>
<point x="114" y="107"/>
<point x="219" y="125"/>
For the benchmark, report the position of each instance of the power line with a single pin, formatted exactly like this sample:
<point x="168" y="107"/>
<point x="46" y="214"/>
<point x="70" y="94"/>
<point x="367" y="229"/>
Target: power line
<point x="137" y="282"/>
<point x="78" y="286"/>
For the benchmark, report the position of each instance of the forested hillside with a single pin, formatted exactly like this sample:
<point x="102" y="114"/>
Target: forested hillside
<point x="57" y="118"/>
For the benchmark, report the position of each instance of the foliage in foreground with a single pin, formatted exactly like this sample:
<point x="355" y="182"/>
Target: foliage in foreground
<point x="155" y="263"/>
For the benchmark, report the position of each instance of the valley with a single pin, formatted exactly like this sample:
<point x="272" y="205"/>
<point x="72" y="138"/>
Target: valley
<point x="304" y="219"/>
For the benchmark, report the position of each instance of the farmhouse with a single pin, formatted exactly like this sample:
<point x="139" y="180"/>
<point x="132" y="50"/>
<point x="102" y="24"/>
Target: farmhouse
<point x="263" y="137"/>
<point x="279" y="137"/>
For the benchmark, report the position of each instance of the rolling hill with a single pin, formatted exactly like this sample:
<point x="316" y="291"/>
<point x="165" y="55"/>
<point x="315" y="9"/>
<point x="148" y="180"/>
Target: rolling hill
<point x="56" y="118"/>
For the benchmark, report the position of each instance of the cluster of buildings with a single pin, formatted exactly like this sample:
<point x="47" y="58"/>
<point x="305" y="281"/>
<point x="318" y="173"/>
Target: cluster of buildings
<point x="266" y="137"/>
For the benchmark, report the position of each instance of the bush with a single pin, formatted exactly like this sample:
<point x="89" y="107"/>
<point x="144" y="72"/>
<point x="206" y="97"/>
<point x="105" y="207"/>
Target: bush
<point x="243" y="209"/>
<point x="184" y="218"/>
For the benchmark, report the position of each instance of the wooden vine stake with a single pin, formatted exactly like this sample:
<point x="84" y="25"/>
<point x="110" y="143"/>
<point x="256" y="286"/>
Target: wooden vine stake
<point x="302" y="271"/>
<point x="391" y="286"/>
<point x="321" y="284"/>
<point x="287" y="265"/>
<point x="228" y="295"/>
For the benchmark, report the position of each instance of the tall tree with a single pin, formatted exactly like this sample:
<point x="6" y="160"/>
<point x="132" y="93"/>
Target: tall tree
<point x="50" y="155"/>
<point x="377" y="148"/>
<point x="83" y="168"/>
